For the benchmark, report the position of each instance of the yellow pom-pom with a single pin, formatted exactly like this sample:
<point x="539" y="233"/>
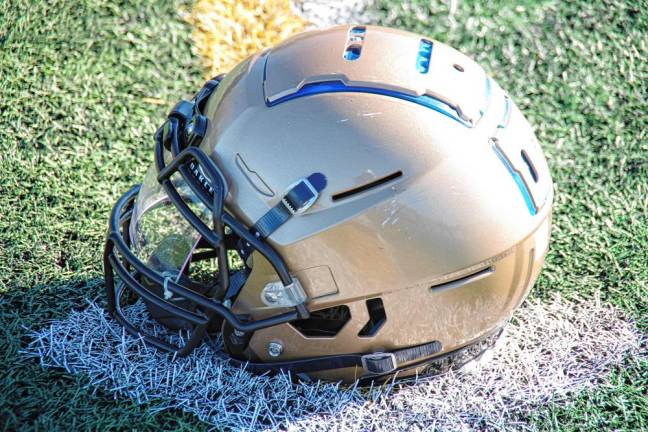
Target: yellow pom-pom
<point x="227" y="31"/>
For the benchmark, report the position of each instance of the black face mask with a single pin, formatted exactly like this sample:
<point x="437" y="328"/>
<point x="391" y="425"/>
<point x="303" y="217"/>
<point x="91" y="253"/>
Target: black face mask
<point x="172" y="296"/>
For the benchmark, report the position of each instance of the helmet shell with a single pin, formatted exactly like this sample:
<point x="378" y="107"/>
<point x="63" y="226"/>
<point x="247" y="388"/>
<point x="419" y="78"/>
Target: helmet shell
<point x="438" y="200"/>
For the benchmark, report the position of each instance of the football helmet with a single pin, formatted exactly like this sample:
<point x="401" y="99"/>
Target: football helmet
<point x="356" y="202"/>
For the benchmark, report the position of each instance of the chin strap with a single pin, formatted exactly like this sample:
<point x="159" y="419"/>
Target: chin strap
<point x="374" y="364"/>
<point x="237" y="280"/>
<point x="297" y="200"/>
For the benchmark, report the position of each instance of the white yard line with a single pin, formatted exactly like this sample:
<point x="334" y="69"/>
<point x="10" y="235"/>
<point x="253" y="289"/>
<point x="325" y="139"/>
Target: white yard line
<point x="551" y="349"/>
<point x="326" y="13"/>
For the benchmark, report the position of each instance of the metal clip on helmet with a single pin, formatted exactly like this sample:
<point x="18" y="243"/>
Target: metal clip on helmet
<point x="356" y="202"/>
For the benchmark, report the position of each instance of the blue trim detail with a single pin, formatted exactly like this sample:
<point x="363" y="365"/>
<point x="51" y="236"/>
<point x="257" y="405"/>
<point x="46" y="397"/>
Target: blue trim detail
<point x="340" y="87"/>
<point x="488" y="95"/>
<point x="423" y="57"/>
<point x="507" y="113"/>
<point x="488" y="89"/>
<point x="518" y="181"/>
<point x="266" y="56"/>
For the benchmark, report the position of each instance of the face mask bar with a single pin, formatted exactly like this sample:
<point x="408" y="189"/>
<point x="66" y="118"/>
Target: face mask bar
<point x="186" y="124"/>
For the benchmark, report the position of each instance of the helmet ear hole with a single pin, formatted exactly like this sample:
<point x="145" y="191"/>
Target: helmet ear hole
<point x="377" y="318"/>
<point x="324" y="322"/>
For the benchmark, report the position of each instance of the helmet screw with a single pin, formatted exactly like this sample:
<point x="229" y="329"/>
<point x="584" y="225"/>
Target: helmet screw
<point x="271" y="296"/>
<point x="275" y="349"/>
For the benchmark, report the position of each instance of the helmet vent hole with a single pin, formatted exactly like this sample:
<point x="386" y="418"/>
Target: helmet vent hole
<point x="352" y="52"/>
<point x="355" y="38"/>
<point x="464" y="280"/>
<point x="324" y="322"/>
<point x="458" y="67"/>
<point x="377" y="318"/>
<point x="365" y="187"/>
<point x="527" y="161"/>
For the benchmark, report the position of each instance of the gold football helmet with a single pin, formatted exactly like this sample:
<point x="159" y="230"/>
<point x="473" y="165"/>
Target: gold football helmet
<point x="355" y="202"/>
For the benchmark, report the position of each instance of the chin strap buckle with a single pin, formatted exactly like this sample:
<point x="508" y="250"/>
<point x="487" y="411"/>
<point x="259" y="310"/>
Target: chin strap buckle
<point x="299" y="197"/>
<point x="379" y="363"/>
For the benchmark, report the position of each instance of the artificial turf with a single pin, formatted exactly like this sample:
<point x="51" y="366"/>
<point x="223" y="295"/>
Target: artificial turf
<point x="83" y="85"/>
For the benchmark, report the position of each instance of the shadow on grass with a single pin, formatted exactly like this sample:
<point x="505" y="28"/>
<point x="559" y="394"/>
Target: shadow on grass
<point x="551" y="350"/>
<point x="37" y="398"/>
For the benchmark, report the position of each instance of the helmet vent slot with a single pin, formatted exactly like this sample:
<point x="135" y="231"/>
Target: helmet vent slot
<point x="377" y="318"/>
<point x="464" y="280"/>
<point x="527" y="161"/>
<point x="365" y="187"/>
<point x="324" y="322"/>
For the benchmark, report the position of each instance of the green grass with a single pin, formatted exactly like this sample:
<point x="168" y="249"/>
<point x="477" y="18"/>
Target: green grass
<point x="77" y="83"/>
<point x="75" y="129"/>
<point x="618" y="404"/>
